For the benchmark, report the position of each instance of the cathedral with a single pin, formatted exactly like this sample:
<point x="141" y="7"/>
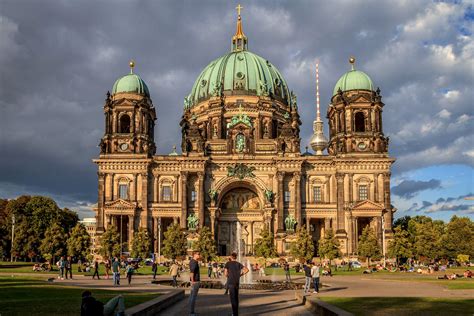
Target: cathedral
<point x="241" y="168"/>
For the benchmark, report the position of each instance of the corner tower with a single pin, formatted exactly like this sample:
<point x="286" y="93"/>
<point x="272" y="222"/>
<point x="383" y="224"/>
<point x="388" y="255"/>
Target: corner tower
<point x="129" y="118"/>
<point x="355" y="116"/>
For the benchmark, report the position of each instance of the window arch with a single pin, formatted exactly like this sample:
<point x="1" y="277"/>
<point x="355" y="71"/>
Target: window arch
<point x="124" y="124"/>
<point x="359" y="122"/>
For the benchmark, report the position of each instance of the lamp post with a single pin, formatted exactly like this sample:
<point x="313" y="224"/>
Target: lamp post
<point x="13" y="236"/>
<point x="383" y="239"/>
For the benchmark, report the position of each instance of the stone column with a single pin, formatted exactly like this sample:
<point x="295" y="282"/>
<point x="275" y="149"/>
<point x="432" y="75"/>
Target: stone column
<point x="155" y="188"/>
<point x="131" y="229"/>
<point x="327" y="192"/>
<point x="376" y="187"/>
<point x="340" y="203"/>
<point x="378" y="229"/>
<point x="100" y="204"/>
<point x="212" y="213"/>
<point x="175" y="220"/>
<point x="184" y="198"/>
<point x="281" y="205"/>
<point x="387" y="202"/>
<point x="133" y="189"/>
<point x="307" y="223"/>
<point x="144" y="201"/>
<point x="354" y="233"/>
<point x="351" y="183"/>
<point x="327" y="224"/>
<point x="201" y="199"/>
<point x="297" y="177"/>
<point x="251" y="236"/>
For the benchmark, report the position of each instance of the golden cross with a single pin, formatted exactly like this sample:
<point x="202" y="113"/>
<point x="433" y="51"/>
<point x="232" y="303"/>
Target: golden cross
<point x="239" y="7"/>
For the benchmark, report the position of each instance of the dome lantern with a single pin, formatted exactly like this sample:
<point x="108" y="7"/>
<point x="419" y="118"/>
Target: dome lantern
<point x="131" y="83"/>
<point x="239" y="40"/>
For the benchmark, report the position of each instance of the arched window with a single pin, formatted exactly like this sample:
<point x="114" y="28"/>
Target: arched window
<point x="125" y="124"/>
<point x="359" y="122"/>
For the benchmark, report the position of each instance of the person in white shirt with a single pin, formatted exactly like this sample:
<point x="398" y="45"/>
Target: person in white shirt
<point x="315" y="272"/>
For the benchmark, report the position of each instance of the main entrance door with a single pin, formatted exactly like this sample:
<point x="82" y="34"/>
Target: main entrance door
<point x="240" y="221"/>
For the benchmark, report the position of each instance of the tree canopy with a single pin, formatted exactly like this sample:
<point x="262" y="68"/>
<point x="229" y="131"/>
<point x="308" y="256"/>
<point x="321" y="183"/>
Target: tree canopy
<point x="110" y="243"/>
<point x="329" y="246"/>
<point x="79" y="242"/>
<point x="206" y="244"/>
<point x="303" y="247"/>
<point x="265" y="246"/>
<point x="174" y="242"/>
<point x="141" y="244"/>
<point x="368" y="246"/>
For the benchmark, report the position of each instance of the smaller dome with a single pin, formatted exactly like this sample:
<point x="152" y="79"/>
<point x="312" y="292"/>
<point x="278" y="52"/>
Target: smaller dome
<point x="130" y="83"/>
<point x="353" y="80"/>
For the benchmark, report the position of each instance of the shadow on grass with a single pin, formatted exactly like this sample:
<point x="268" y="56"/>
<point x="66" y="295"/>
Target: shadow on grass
<point x="402" y="305"/>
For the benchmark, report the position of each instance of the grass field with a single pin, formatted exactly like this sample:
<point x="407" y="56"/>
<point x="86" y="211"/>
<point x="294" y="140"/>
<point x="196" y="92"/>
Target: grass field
<point x="32" y="296"/>
<point x="402" y="305"/>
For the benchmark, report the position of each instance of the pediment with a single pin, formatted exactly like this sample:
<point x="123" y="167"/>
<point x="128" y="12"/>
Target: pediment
<point x="368" y="205"/>
<point x="361" y="99"/>
<point x="120" y="204"/>
<point x="124" y="102"/>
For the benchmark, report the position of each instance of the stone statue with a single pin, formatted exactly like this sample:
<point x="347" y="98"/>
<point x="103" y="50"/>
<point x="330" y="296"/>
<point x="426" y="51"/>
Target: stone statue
<point x="263" y="87"/>
<point x="290" y="223"/>
<point x="240" y="143"/>
<point x="192" y="222"/>
<point x="269" y="196"/>
<point x="212" y="194"/>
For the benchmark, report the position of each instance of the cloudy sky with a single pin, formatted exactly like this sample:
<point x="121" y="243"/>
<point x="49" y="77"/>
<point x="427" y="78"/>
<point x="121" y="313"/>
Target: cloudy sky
<point x="59" y="58"/>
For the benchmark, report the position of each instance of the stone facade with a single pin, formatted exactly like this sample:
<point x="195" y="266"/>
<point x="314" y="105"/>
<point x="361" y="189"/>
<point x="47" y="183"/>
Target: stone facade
<point x="241" y="167"/>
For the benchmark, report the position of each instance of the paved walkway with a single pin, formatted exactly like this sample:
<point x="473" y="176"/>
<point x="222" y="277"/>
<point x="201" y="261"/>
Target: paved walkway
<point x="215" y="303"/>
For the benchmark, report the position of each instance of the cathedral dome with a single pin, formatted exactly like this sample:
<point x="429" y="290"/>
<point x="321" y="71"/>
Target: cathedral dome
<point x="239" y="72"/>
<point x="353" y="80"/>
<point x="131" y="83"/>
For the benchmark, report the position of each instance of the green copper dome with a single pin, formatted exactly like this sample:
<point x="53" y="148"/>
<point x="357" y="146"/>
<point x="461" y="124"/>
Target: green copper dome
<point x="130" y="83"/>
<point x="353" y="80"/>
<point x="241" y="73"/>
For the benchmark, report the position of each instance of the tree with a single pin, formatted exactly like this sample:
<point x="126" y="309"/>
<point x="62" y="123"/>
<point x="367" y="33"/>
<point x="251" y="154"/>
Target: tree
<point x="54" y="242"/>
<point x="402" y="222"/>
<point x="264" y="246"/>
<point x="400" y="246"/>
<point x="458" y="237"/>
<point x="368" y="244"/>
<point x="206" y="244"/>
<point x="141" y="244"/>
<point x="110" y="243"/>
<point x="174" y="243"/>
<point x="303" y="247"/>
<point x="329" y="246"/>
<point x="426" y="236"/>
<point x="79" y="242"/>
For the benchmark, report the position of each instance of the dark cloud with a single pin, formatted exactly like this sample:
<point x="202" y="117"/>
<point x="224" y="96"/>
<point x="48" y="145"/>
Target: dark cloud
<point x="409" y="188"/>
<point x="59" y="58"/>
<point x="450" y="204"/>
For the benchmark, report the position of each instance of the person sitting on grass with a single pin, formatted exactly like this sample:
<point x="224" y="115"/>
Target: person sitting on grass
<point x="91" y="307"/>
<point x="468" y="273"/>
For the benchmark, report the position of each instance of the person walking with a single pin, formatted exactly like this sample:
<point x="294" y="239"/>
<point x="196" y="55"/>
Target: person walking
<point x="108" y="265"/>
<point x="61" y="265"/>
<point x="68" y="267"/>
<point x="116" y="271"/>
<point x="315" y="273"/>
<point x="174" y="273"/>
<point x="154" y="269"/>
<point x="233" y="270"/>
<point x="195" y="278"/>
<point x="286" y="267"/>
<point x="308" y="278"/>
<point x="209" y="269"/>
<point x="129" y="273"/>
<point x="96" y="270"/>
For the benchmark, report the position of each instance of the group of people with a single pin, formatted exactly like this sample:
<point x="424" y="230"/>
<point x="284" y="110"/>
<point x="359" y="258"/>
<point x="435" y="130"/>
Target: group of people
<point x="115" y="266"/>
<point x="65" y="268"/>
<point x="214" y="270"/>
<point x="312" y="274"/>
<point x="233" y="270"/>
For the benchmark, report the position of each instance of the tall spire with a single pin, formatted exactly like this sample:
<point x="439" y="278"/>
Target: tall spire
<point x="318" y="141"/>
<point x="239" y="40"/>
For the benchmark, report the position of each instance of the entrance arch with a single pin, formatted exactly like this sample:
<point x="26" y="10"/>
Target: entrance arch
<point x="240" y="220"/>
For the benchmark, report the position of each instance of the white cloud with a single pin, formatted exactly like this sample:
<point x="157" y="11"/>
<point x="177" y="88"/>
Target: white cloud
<point x="445" y="114"/>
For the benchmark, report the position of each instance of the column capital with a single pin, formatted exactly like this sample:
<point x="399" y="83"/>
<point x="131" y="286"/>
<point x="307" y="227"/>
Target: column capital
<point x="200" y="175"/>
<point x="340" y="177"/>
<point x="280" y="175"/>
<point x="387" y="175"/>
<point x="297" y="175"/>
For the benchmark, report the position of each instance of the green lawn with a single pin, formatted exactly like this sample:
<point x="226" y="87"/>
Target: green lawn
<point x="32" y="296"/>
<point x="402" y="305"/>
<point x="27" y="267"/>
